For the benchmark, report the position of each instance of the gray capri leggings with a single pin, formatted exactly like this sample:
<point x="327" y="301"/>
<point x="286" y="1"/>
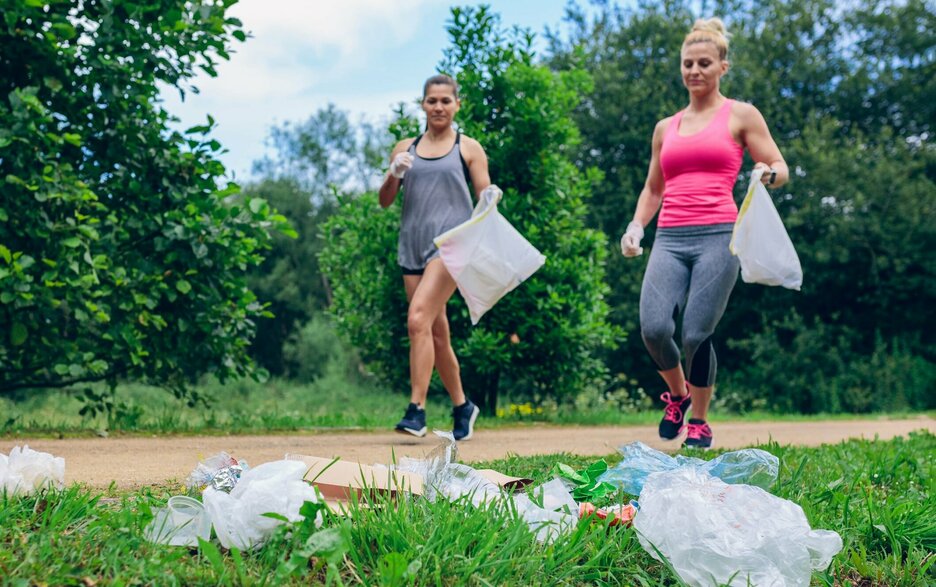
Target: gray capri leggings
<point x="691" y="271"/>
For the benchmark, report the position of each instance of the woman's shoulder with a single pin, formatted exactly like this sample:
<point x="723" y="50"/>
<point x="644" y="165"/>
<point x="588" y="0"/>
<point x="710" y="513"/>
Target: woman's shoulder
<point x="470" y="146"/>
<point x="745" y="111"/>
<point x="404" y="144"/>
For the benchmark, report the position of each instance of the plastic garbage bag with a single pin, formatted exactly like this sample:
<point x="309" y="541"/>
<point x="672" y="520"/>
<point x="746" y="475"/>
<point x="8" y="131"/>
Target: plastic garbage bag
<point x="750" y="465"/>
<point x="181" y="523"/>
<point x="486" y="256"/>
<point x="276" y="487"/>
<point x="713" y="533"/>
<point x="27" y="470"/>
<point x="761" y="242"/>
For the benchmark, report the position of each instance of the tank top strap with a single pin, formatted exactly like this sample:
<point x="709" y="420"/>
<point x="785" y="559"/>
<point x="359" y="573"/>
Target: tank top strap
<point x="673" y="128"/>
<point x="724" y="113"/>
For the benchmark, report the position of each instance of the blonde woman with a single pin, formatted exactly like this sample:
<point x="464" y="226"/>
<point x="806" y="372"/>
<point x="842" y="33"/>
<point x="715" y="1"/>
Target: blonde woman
<point x="695" y="160"/>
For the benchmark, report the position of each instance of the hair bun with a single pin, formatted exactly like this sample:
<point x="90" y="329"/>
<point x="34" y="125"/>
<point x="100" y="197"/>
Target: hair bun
<point x="711" y="25"/>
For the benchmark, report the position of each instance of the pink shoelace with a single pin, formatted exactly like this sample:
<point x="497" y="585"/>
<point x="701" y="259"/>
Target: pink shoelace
<point x="698" y="431"/>
<point x="673" y="411"/>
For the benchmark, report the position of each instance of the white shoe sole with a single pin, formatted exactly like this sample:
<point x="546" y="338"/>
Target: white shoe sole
<point x="471" y="423"/>
<point x="417" y="433"/>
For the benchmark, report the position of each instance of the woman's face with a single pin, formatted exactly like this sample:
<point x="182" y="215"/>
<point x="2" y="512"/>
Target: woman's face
<point x="702" y="68"/>
<point x="440" y="105"/>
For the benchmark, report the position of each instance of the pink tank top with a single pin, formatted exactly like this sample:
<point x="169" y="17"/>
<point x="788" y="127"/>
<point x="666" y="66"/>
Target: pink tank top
<point x="700" y="171"/>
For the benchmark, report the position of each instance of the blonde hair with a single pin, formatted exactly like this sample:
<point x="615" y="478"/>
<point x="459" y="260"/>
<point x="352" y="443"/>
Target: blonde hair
<point x="711" y="30"/>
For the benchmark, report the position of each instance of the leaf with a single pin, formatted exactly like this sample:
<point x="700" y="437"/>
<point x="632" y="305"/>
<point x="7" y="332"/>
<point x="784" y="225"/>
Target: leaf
<point x="18" y="334"/>
<point x="211" y="552"/>
<point x="5" y="254"/>
<point x="72" y="242"/>
<point x="256" y="205"/>
<point x="183" y="286"/>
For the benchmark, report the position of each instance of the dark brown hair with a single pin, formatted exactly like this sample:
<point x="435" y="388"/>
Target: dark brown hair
<point x="442" y="80"/>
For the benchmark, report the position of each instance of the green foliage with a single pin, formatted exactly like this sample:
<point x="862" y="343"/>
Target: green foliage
<point x="519" y="112"/>
<point x="119" y="256"/>
<point x="845" y="93"/>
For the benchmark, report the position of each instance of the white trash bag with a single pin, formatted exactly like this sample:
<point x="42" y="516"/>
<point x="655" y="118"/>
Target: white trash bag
<point x="277" y="487"/>
<point x="713" y="533"/>
<point x="761" y="242"/>
<point x="486" y="256"/>
<point x="27" y="470"/>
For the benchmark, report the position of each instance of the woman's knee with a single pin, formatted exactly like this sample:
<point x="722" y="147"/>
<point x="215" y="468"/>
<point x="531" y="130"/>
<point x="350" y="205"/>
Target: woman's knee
<point x="418" y="322"/>
<point x="656" y="335"/>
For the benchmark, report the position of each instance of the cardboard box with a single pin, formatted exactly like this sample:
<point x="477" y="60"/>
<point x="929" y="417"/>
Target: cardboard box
<point x="338" y="480"/>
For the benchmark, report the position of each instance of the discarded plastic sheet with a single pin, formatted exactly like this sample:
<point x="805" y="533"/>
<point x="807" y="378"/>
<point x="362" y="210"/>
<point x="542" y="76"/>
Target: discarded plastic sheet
<point x="487" y="257"/>
<point x="751" y="466"/>
<point x="452" y="481"/>
<point x="276" y="487"/>
<point x="27" y="470"/>
<point x="713" y="533"/>
<point x="221" y="471"/>
<point x="181" y="523"/>
<point x="761" y="242"/>
<point x="546" y="524"/>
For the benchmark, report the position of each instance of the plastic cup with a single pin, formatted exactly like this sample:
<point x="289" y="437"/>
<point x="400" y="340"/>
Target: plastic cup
<point x="181" y="523"/>
<point x="187" y="521"/>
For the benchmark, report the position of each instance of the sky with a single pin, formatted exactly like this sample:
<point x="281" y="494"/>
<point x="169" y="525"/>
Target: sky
<point x="364" y="56"/>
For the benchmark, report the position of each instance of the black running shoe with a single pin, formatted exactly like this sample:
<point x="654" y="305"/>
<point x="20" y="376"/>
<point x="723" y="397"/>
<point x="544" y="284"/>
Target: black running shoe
<point x="673" y="415"/>
<point x="413" y="422"/>
<point x="463" y="419"/>
<point x="698" y="435"/>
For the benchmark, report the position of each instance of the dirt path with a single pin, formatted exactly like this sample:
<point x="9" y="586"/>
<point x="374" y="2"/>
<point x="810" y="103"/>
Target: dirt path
<point x="136" y="462"/>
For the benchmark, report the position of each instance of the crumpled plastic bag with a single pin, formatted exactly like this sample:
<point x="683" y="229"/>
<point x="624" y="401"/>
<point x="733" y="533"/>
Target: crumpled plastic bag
<point x="713" y="533"/>
<point x="27" y="470"/>
<point x="761" y="243"/>
<point x="275" y="487"/>
<point x="751" y="466"/>
<point x="486" y="256"/>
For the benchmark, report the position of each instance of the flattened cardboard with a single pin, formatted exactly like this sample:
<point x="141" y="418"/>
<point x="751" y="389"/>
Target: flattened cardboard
<point x="512" y="484"/>
<point x="338" y="480"/>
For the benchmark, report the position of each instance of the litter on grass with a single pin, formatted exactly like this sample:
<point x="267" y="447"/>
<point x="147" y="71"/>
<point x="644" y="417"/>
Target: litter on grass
<point x="25" y="471"/>
<point x="713" y="533"/>
<point x="751" y="466"/>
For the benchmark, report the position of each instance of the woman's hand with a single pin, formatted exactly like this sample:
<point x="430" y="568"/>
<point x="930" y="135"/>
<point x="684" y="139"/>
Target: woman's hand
<point x="770" y="174"/>
<point x="401" y="164"/>
<point x="630" y="242"/>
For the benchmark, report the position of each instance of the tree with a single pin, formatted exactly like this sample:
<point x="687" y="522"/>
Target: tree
<point x="323" y="156"/>
<point x="519" y="111"/>
<point x="119" y="254"/>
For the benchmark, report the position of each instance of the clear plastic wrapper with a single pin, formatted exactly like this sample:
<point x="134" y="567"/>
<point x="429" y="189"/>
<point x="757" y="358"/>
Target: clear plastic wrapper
<point x="751" y="466"/>
<point x="220" y="471"/>
<point x="713" y="533"/>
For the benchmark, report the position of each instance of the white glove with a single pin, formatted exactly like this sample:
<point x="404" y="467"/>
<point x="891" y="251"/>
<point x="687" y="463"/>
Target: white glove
<point x="630" y="242"/>
<point x="493" y="192"/>
<point x="401" y="164"/>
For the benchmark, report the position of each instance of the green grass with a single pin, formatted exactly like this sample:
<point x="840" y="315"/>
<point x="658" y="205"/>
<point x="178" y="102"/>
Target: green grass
<point x="876" y="494"/>
<point x="333" y="402"/>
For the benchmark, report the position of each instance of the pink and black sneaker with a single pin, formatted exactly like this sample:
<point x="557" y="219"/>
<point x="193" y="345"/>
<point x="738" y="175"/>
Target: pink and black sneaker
<point x="673" y="415"/>
<point x="698" y="434"/>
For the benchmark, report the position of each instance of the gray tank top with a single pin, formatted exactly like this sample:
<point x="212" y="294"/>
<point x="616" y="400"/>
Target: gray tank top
<point x="435" y="199"/>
